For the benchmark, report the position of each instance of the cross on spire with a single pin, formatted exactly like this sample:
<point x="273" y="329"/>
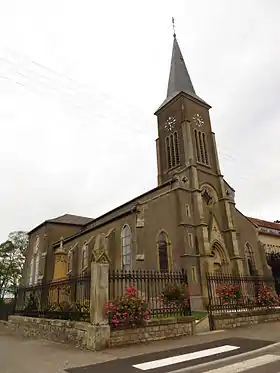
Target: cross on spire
<point x="173" y="25"/>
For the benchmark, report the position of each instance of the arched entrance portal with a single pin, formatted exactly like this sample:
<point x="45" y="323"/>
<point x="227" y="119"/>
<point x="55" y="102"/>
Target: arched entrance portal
<point x="273" y="260"/>
<point x="219" y="260"/>
<point x="250" y="259"/>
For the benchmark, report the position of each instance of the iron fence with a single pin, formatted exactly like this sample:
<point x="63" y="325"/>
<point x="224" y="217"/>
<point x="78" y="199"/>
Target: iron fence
<point x="165" y="293"/>
<point x="65" y="299"/>
<point x="229" y="293"/>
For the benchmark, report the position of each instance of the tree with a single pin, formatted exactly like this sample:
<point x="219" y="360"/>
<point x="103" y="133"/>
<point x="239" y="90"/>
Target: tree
<point x="12" y="256"/>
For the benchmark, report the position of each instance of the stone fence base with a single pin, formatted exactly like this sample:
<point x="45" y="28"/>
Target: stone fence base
<point x="155" y="330"/>
<point x="96" y="337"/>
<point x="80" y="334"/>
<point x="245" y="318"/>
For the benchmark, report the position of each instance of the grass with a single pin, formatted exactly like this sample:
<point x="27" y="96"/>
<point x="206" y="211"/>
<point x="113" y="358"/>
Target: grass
<point x="196" y="314"/>
<point x="199" y="314"/>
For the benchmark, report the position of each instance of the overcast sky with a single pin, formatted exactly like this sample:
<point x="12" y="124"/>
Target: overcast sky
<point x="80" y="81"/>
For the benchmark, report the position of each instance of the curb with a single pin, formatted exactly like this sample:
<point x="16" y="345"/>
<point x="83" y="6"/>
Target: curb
<point x="226" y="359"/>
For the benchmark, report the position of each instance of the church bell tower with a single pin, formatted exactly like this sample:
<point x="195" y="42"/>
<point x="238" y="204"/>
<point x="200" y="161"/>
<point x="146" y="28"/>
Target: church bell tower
<point x="186" y="151"/>
<point x="184" y="130"/>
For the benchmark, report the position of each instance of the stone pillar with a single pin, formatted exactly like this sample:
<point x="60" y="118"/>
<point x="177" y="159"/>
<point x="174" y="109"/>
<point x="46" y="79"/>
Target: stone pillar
<point x="60" y="264"/>
<point x="98" y="300"/>
<point x="99" y="292"/>
<point x="202" y="233"/>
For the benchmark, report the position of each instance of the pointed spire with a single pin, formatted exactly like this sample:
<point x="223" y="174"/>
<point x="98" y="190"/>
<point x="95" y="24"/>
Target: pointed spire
<point x="179" y="78"/>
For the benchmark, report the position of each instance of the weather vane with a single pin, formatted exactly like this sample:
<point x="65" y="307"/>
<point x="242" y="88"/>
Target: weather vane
<point x="173" y="25"/>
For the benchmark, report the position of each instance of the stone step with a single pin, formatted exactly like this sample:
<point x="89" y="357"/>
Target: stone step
<point x="202" y="325"/>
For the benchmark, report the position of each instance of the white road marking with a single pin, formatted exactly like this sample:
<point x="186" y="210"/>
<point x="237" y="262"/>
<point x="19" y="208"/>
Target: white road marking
<point x="242" y="366"/>
<point x="186" y="357"/>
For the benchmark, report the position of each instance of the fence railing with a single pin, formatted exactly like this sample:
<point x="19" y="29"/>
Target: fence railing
<point x="166" y="294"/>
<point x="229" y="293"/>
<point x="65" y="299"/>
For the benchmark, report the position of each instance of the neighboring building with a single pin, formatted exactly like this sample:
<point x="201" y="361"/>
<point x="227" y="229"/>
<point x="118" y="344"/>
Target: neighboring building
<point x="188" y="221"/>
<point x="41" y="239"/>
<point x="269" y="234"/>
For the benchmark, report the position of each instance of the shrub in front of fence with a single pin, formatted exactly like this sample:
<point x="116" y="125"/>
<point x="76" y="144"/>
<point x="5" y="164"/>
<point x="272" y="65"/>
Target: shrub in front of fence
<point x="151" y="285"/>
<point x="64" y="299"/>
<point x="177" y="294"/>
<point x="229" y="293"/>
<point x="63" y="310"/>
<point x="267" y="297"/>
<point x="128" y="311"/>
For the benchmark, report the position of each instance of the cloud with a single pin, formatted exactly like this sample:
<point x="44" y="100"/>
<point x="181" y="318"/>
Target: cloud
<point x="81" y="84"/>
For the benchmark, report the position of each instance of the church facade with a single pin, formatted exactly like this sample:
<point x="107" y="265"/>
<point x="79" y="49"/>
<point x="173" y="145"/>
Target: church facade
<point x="189" y="221"/>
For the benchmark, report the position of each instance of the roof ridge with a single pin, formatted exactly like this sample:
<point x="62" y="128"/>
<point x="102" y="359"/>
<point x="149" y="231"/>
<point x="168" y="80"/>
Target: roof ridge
<point x="266" y="223"/>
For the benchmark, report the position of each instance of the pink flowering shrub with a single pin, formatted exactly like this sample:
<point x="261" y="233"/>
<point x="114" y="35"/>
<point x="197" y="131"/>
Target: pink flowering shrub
<point x="128" y="311"/>
<point x="229" y="294"/>
<point x="266" y="297"/>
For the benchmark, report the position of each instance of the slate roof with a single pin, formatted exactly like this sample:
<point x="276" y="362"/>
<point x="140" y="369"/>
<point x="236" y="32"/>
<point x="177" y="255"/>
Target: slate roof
<point x="179" y="78"/>
<point x="71" y="219"/>
<point x="66" y="219"/>
<point x="265" y="223"/>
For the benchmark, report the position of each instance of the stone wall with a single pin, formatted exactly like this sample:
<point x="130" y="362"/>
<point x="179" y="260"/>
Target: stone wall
<point x="153" y="331"/>
<point x="80" y="334"/>
<point x="246" y="318"/>
<point x="96" y="337"/>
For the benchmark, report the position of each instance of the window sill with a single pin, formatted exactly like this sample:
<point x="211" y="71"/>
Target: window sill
<point x="167" y="170"/>
<point x="203" y="164"/>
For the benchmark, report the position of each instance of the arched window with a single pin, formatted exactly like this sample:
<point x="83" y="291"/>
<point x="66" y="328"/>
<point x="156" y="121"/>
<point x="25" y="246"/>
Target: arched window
<point x="176" y="143"/>
<point x="163" y="259"/>
<point x="250" y="259"/>
<point x="168" y="153"/>
<point x="37" y="264"/>
<point x="126" y="248"/>
<point x="172" y="150"/>
<point x="31" y="269"/>
<point x="201" y="147"/>
<point x="37" y="244"/>
<point x="84" y="256"/>
<point x="205" y="148"/>
<point x="198" y="157"/>
<point x="70" y="261"/>
<point x="219" y="259"/>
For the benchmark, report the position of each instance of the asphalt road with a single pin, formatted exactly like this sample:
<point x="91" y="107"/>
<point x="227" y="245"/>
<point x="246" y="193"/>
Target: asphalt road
<point x="199" y="358"/>
<point x="259" y="362"/>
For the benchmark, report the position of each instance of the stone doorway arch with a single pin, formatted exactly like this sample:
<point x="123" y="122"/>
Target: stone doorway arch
<point x="219" y="261"/>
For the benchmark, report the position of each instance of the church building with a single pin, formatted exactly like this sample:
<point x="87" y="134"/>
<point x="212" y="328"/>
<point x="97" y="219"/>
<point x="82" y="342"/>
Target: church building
<point x="189" y="221"/>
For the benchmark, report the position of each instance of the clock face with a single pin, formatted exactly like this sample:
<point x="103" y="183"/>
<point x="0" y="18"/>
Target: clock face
<point x="169" y="124"/>
<point x="198" y="120"/>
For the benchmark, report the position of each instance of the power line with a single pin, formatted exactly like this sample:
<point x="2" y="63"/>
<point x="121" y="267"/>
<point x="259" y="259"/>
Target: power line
<point x="84" y="98"/>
